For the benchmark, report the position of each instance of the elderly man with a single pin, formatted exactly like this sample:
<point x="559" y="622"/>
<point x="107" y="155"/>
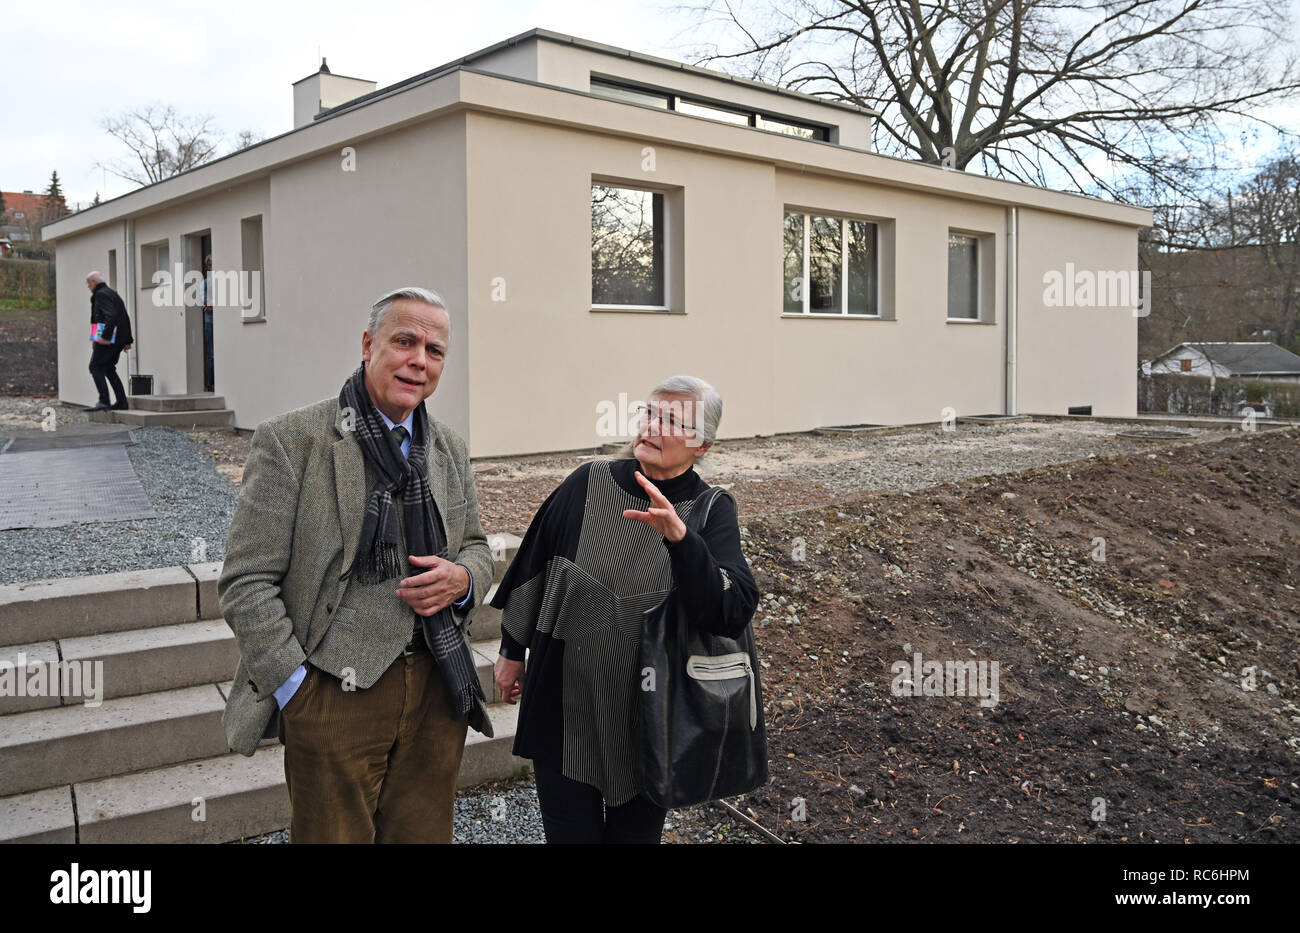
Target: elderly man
<point x="110" y="334"/>
<point x="363" y="665"/>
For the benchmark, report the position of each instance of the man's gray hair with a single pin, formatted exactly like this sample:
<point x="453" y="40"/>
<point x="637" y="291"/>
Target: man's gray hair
<point x="415" y="293"/>
<point x="94" y="278"/>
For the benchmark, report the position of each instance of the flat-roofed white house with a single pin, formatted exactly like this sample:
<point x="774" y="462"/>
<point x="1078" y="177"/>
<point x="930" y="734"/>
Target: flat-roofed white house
<point x="597" y="220"/>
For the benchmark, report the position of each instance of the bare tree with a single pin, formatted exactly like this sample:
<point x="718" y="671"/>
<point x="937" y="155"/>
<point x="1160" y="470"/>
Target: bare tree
<point x="1225" y="266"/>
<point x="246" y="138"/>
<point x="1268" y="213"/>
<point x="162" y="143"/>
<point x="1061" y="93"/>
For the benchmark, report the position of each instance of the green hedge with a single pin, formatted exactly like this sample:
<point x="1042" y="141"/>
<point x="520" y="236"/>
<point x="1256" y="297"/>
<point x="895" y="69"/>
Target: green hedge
<point x="27" y="279"/>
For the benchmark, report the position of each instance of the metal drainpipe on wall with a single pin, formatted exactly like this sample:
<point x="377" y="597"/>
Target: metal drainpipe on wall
<point x="128" y="256"/>
<point x="1013" y="286"/>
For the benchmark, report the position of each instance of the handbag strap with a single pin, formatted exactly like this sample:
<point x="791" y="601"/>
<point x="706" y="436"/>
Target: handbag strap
<point x="703" y="505"/>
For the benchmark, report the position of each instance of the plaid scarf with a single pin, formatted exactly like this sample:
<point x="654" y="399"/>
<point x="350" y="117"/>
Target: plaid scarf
<point x="377" y="554"/>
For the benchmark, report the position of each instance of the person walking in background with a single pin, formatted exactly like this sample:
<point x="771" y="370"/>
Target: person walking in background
<point x="110" y="335"/>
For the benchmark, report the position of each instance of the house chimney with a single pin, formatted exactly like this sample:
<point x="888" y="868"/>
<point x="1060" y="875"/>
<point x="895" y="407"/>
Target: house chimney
<point x="324" y="90"/>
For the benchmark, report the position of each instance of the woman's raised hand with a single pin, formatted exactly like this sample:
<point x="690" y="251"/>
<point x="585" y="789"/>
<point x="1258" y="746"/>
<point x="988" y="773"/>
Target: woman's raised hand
<point x="662" y="517"/>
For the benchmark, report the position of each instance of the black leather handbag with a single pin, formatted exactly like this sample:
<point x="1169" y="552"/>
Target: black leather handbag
<point x="701" y="713"/>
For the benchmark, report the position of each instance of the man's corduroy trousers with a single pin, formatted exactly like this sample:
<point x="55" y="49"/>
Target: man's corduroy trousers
<point x="376" y="765"/>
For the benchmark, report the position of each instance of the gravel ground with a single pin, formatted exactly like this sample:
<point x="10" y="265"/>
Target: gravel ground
<point x="27" y="411"/>
<point x="507" y="812"/>
<point x="193" y="502"/>
<point x="794" y="471"/>
<point x="766" y="474"/>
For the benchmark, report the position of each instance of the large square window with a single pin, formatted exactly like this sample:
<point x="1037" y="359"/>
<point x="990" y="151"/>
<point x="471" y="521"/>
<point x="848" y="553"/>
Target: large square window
<point x="831" y="265"/>
<point x="627" y="247"/>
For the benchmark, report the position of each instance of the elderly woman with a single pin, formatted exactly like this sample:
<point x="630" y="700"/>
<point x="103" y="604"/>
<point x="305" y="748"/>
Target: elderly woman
<point x="607" y="544"/>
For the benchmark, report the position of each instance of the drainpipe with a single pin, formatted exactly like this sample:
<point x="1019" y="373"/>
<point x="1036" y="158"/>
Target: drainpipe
<point x="128" y="256"/>
<point x="1013" y="285"/>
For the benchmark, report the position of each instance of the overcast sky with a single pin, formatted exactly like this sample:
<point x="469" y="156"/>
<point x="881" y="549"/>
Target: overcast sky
<point x="70" y="63"/>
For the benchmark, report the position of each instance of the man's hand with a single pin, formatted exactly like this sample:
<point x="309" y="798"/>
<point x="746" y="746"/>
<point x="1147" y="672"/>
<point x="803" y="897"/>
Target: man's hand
<point x="509" y="676"/>
<point x="438" y="587"/>
<point x="127" y="347"/>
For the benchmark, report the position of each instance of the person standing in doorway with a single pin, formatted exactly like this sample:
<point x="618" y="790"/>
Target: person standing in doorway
<point x="209" y="383"/>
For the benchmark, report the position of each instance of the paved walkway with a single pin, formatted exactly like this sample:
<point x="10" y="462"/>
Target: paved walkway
<point x="80" y="473"/>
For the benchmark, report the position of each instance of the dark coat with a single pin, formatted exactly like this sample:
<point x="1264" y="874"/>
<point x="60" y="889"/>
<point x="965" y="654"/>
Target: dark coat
<point x="107" y="308"/>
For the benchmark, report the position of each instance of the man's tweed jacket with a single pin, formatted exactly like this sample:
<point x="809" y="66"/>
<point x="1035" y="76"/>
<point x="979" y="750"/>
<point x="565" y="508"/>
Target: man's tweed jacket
<point x="295" y="530"/>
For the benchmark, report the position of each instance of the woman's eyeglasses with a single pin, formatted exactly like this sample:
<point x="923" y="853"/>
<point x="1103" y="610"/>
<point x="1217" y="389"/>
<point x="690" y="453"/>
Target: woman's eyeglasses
<point x="669" y="422"/>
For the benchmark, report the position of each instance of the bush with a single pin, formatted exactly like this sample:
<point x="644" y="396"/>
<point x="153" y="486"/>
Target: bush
<point x="27" y="280"/>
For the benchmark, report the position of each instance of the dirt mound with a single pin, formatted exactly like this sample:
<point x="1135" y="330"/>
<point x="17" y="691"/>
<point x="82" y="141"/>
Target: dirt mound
<point x="1143" y="613"/>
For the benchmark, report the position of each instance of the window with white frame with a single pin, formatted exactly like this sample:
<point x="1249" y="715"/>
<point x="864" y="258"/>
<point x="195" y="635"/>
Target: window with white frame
<point x="963" y="277"/>
<point x="627" y="248"/>
<point x="831" y="265"/>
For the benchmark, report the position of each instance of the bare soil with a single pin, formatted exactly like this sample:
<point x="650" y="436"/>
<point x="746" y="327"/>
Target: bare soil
<point x="1129" y="599"/>
<point x="1121" y="680"/>
<point x="29" y="353"/>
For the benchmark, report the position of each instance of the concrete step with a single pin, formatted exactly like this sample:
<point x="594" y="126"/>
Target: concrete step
<point x="216" y="799"/>
<point x="165" y="658"/>
<point x="25" y="677"/>
<point x="69" y="744"/>
<point x="492" y="759"/>
<point x="201" y="401"/>
<point x="41" y="816"/>
<point x="205" y="418"/>
<point x="486" y="624"/>
<point x="207" y="576"/>
<point x="46" y="610"/>
<point x="485" y="657"/>
<point x="504" y="548"/>
<point x="43" y="747"/>
<point x="220" y="799"/>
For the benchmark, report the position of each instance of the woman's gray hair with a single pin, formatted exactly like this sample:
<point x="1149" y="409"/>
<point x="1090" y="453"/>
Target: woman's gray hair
<point x="414" y="292"/>
<point x="707" y="409"/>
